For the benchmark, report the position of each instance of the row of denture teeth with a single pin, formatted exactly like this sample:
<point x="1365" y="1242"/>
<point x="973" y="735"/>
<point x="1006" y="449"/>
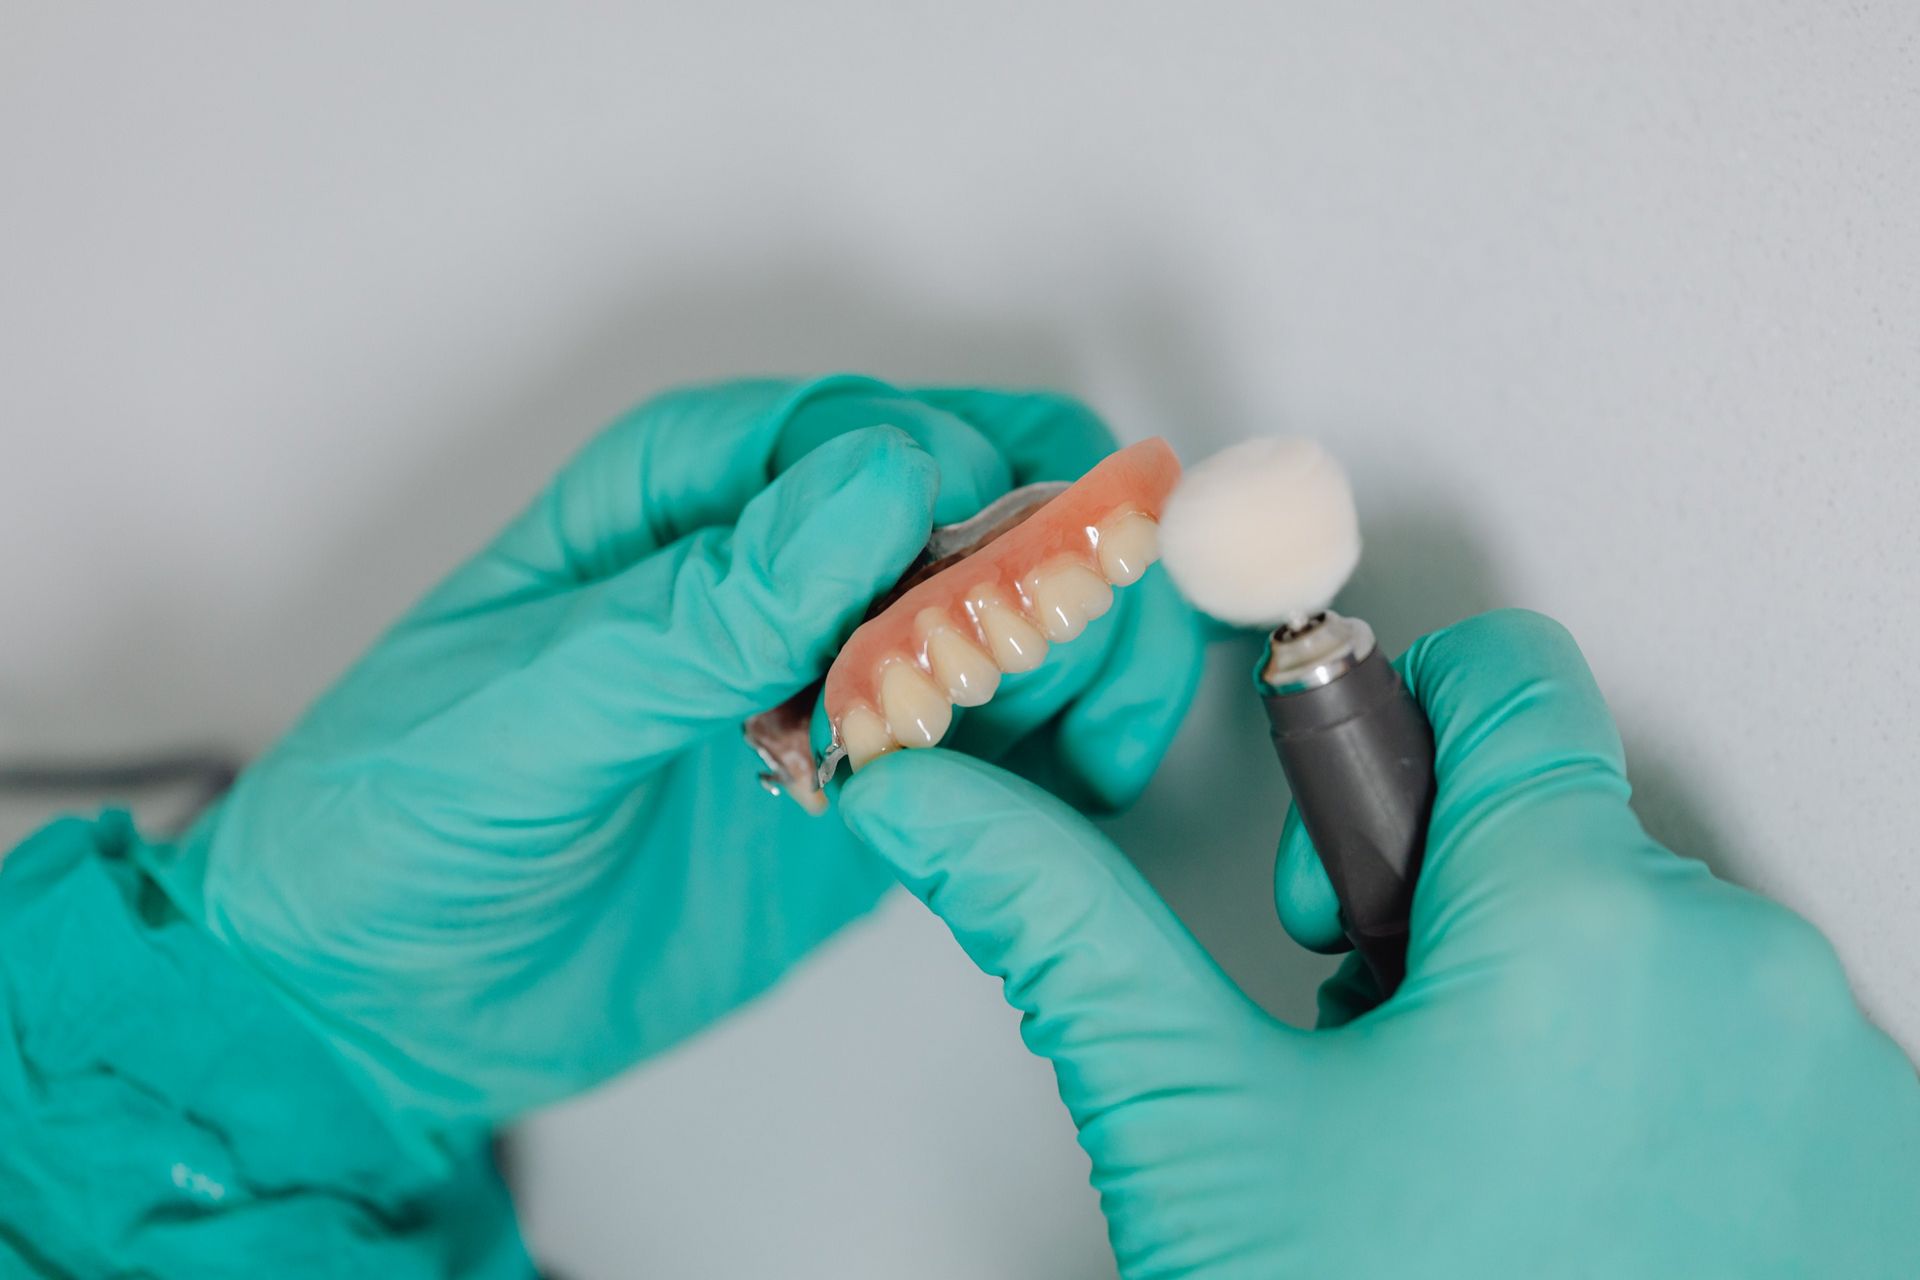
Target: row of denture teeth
<point x="1060" y="599"/>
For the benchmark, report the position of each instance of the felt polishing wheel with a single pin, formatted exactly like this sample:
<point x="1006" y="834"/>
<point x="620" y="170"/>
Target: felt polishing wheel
<point x="1261" y="533"/>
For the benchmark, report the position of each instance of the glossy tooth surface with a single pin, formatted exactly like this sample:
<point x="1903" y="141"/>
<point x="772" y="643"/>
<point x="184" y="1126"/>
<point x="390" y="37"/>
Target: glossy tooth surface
<point x="1015" y="643"/>
<point x="1066" y="597"/>
<point x="968" y="674"/>
<point x="865" y="736"/>
<point x="916" y="712"/>
<point x="1127" y="547"/>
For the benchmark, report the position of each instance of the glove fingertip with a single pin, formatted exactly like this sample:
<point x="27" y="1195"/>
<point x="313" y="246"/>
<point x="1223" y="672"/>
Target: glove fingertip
<point x="862" y="502"/>
<point x="1302" y="893"/>
<point x="1478" y="659"/>
<point x="880" y="454"/>
<point x="888" y="799"/>
<point x="920" y="808"/>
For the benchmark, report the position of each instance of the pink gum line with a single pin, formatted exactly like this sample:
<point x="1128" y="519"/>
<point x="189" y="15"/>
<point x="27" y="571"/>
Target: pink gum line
<point x="1137" y="478"/>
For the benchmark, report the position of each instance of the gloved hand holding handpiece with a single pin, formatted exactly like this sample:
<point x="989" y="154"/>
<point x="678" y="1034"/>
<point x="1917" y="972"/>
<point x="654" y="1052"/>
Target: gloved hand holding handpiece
<point x="1601" y="1061"/>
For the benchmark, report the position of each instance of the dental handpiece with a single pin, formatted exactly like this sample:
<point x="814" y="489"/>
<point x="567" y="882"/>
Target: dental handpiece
<point x="1357" y="752"/>
<point x="1265" y="531"/>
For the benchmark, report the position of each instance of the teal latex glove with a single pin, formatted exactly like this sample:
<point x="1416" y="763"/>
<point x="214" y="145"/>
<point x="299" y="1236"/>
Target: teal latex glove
<point x="521" y="845"/>
<point x="1603" y="1061"/>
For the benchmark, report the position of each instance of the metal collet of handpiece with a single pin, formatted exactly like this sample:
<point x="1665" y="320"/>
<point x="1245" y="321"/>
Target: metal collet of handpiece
<point x="1358" y="753"/>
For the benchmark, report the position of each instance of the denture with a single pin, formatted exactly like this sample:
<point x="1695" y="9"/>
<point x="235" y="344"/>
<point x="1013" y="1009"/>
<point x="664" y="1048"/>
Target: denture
<point x="947" y="639"/>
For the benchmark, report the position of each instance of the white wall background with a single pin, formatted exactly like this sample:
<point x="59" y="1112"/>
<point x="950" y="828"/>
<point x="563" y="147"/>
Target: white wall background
<point x="1614" y="309"/>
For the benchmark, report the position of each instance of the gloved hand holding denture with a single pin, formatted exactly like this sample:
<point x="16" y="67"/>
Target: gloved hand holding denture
<point x="525" y="778"/>
<point x="1596" y="1059"/>
<point x="520" y="845"/>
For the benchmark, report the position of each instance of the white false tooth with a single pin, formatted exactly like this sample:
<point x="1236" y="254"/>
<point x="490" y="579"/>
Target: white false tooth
<point x="865" y="736"/>
<point x="968" y="674"/>
<point x="1015" y="643"/>
<point x="1067" y="596"/>
<point x="916" y="712"/>
<point x="1127" y="547"/>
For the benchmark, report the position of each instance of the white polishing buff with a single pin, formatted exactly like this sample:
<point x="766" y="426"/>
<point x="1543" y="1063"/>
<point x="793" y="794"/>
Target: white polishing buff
<point x="1261" y="533"/>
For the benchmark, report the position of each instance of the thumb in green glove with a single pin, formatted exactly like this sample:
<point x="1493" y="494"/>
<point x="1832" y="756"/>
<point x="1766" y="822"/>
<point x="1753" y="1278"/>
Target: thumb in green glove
<point x="1603" y="1061"/>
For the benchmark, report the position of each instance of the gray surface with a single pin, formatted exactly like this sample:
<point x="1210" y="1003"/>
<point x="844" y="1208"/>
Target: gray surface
<point x="1611" y="308"/>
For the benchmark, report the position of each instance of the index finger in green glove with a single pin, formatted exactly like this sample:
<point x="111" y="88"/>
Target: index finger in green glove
<point x="692" y="459"/>
<point x="1107" y="976"/>
<point x="722" y="623"/>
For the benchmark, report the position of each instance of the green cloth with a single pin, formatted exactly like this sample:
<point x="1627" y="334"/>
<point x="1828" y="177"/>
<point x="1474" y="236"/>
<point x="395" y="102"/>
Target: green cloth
<point x="164" y="1113"/>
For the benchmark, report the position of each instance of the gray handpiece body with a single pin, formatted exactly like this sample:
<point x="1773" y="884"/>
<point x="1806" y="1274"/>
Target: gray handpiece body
<point x="1358" y="753"/>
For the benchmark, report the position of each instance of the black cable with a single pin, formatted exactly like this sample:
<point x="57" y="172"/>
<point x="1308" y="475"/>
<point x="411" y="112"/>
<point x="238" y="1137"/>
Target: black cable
<point x="213" y="771"/>
<point x="206" y="774"/>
